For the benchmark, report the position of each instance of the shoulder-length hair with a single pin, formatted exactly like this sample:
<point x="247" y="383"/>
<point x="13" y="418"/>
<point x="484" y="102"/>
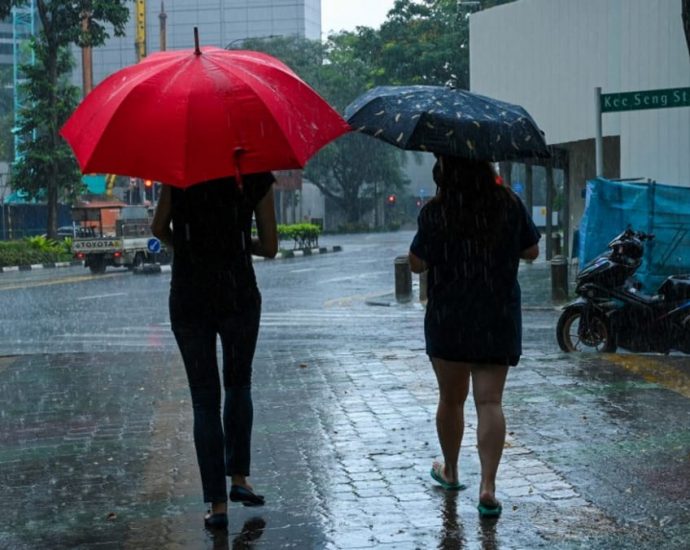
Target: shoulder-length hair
<point x="473" y="202"/>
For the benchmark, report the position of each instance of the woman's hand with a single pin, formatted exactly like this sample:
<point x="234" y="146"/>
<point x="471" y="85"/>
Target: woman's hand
<point x="417" y="265"/>
<point x="160" y="226"/>
<point x="530" y="253"/>
<point x="266" y="244"/>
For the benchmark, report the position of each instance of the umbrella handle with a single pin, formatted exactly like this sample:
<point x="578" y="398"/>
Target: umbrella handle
<point x="238" y="173"/>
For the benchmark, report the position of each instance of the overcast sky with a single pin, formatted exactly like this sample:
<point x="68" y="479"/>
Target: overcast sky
<point x="338" y="15"/>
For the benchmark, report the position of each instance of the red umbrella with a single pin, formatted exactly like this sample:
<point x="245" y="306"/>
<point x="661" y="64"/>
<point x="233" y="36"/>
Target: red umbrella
<point x="182" y="117"/>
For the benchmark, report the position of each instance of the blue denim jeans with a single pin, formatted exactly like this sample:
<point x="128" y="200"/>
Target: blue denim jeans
<point x="198" y="313"/>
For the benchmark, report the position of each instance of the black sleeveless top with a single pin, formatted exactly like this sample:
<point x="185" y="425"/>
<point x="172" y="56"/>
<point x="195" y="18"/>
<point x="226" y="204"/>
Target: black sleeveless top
<point x="212" y="223"/>
<point x="474" y="309"/>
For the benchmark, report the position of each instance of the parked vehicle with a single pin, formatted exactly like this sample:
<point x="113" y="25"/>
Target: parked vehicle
<point x="613" y="312"/>
<point x="113" y="234"/>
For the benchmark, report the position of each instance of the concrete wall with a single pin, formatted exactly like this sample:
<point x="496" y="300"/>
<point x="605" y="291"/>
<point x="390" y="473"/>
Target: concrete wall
<point x="548" y="55"/>
<point x="312" y="202"/>
<point x="417" y="167"/>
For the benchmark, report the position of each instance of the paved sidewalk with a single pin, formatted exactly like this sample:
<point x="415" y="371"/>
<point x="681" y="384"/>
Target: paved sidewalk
<point x="97" y="453"/>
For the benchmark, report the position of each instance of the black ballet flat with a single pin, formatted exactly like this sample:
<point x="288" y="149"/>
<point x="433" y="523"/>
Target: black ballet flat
<point x="216" y="521"/>
<point x="245" y="496"/>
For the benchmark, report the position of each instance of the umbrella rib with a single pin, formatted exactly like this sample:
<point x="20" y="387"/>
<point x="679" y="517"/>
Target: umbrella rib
<point x="110" y="114"/>
<point x="248" y="74"/>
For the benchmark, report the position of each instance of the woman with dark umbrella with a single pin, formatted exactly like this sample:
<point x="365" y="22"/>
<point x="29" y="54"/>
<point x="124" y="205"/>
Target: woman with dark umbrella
<point x="213" y="292"/>
<point x="471" y="237"/>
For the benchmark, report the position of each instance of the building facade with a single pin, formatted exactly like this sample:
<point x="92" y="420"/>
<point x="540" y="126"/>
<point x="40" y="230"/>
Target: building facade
<point x="550" y="55"/>
<point x="220" y="22"/>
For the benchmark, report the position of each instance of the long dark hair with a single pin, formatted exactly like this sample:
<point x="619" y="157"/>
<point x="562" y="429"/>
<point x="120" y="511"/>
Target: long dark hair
<point x="473" y="203"/>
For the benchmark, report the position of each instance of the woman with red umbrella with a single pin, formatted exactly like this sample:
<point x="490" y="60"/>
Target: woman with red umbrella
<point x="213" y="291"/>
<point x="192" y="119"/>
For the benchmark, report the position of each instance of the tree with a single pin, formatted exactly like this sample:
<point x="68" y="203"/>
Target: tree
<point x="354" y="170"/>
<point x="47" y="167"/>
<point x="422" y="42"/>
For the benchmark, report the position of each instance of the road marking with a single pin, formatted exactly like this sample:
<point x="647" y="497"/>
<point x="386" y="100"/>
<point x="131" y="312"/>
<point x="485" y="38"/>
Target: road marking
<point x="76" y="279"/>
<point x="96" y="296"/>
<point x="301" y="270"/>
<point x="654" y="371"/>
<point x="336" y="318"/>
<point x="350" y="277"/>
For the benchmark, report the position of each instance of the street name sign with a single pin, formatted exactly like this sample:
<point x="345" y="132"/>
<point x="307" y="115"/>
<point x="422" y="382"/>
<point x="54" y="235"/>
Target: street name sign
<point x="647" y="99"/>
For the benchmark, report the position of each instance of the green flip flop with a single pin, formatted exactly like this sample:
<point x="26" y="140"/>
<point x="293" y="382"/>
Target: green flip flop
<point x="457" y="486"/>
<point x="486" y="511"/>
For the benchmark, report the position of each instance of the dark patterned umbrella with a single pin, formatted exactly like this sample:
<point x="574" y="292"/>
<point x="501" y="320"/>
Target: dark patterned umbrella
<point x="447" y="121"/>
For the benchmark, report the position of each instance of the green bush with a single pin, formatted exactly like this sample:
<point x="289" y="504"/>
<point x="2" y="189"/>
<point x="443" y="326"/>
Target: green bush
<point x="303" y="235"/>
<point x="34" y="250"/>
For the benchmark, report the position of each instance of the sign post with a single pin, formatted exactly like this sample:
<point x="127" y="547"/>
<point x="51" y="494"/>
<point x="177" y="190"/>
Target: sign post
<point x="599" y="138"/>
<point x="632" y="101"/>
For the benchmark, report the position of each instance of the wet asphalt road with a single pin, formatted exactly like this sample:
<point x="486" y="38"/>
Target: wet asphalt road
<point x="95" y="422"/>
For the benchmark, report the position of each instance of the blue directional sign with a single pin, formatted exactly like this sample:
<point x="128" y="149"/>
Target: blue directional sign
<point x="518" y="187"/>
<point x="154" y="245"/>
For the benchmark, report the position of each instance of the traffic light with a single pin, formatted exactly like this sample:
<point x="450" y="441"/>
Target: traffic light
<point x="390" y="199"/>
<point x="148" y="190"/>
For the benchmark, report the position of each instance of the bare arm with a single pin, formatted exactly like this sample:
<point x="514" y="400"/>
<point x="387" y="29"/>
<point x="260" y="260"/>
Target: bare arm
<point x="160" y="226"/>
<point x="266" y="244"/>
<point x="417" y="265"/>
<point x="530" y="253"/>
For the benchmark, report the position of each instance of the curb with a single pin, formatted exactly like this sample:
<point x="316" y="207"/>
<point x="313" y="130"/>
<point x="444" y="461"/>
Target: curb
<point x="31" y="267"/>
<point x="299" y="253"/>
<point x="282" y="255"/>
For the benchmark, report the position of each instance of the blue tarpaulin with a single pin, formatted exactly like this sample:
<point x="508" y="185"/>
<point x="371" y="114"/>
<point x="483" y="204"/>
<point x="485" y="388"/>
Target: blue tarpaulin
<point x="650" y="207"/>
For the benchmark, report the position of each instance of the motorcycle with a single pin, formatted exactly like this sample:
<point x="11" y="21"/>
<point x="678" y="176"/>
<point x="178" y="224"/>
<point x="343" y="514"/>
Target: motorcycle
<point x="611" y="311"/>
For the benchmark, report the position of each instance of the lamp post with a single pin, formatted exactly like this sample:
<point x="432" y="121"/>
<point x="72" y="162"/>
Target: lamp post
<point x="229" y="45"/>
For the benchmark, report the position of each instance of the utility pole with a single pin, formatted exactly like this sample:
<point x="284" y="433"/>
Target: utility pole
<point x="140" y="49"/>
<point x="163" y="30"/>
<point x="140" y="40"/>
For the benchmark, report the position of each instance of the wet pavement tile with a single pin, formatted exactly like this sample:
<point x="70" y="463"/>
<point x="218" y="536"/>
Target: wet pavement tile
<point x="97" y="453"/>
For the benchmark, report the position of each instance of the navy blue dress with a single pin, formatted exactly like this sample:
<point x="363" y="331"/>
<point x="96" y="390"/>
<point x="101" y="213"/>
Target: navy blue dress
<point x="474" y="312"/>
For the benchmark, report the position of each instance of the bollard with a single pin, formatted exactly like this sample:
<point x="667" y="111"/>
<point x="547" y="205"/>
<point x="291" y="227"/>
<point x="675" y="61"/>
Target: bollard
<point x="403" y="279"/>
<point x="559" y="279"/>
<point x="556" y="245"/>
<point x="424" y="286"/>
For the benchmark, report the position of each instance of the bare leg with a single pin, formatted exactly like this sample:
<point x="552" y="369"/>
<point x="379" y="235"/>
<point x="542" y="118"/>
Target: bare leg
<point x="219" y="507"/>
<point x="488" y="382"/>
<point x="238" y="479"/>
<point x="453" y="384"/>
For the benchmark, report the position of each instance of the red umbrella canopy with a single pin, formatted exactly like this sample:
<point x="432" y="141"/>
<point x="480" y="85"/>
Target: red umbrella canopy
<point x="182" y="117"/>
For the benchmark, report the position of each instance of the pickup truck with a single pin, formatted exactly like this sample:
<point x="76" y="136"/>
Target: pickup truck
<point x="114" y="234"/>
